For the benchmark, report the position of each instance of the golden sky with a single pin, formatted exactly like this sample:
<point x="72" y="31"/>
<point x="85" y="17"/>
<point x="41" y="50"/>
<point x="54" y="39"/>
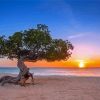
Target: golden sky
<point x="71" y="63"/>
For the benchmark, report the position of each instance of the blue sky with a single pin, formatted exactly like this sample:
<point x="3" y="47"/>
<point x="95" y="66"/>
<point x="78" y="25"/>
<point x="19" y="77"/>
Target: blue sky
<point x="76" y="20"/>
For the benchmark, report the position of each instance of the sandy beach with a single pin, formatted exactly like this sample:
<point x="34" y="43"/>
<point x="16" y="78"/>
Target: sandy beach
<point x="54" y="88"/>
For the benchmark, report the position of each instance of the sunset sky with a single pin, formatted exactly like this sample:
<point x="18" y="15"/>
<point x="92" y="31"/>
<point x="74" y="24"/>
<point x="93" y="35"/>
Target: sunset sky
<point x="75" y="20"/>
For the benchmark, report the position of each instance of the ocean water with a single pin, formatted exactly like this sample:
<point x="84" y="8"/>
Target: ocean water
<point x="55" y="71"/>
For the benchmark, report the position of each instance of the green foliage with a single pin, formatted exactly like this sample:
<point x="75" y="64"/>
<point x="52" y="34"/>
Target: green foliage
<point x="39" y="42"/>
<point x="16" y="38"/>
<point x="36" y="39"/>
<point x="2" y="45"/>
<point x="59" y="50"/>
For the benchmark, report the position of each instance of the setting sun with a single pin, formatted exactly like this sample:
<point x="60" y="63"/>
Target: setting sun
<point x="81" y="64"/>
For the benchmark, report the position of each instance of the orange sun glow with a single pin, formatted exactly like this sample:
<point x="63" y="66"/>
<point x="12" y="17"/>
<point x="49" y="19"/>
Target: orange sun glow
<point x="81" y="65"/>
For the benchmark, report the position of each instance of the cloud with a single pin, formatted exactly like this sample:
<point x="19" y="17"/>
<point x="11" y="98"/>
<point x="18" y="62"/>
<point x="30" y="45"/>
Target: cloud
<point x="76" y="36"/>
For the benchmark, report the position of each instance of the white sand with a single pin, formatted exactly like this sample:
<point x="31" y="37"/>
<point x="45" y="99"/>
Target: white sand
<point x="54" y="88"/>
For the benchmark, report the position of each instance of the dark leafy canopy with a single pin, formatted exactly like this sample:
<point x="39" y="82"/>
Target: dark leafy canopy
<point x="35" y="44"/>
<point x="2" y="46"/>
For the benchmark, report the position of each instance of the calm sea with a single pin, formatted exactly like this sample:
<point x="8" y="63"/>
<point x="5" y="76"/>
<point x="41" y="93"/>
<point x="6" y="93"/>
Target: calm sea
<point x="55" y="71"/>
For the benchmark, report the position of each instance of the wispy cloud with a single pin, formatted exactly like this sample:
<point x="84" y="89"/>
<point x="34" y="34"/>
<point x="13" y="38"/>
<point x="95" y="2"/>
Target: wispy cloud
<point x="76" y="36"/>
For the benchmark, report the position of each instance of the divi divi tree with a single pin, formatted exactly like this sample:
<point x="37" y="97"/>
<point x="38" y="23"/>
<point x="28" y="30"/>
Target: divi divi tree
<point x="32" y="45"/>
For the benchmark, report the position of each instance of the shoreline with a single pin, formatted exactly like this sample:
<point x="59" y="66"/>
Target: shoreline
<point x="65" y="76"/>
<point x="54" y="88"/>
<point x="56" y="72"/>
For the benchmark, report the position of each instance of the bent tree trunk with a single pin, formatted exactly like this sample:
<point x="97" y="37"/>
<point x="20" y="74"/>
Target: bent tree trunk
<point x="22" y="77"/>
